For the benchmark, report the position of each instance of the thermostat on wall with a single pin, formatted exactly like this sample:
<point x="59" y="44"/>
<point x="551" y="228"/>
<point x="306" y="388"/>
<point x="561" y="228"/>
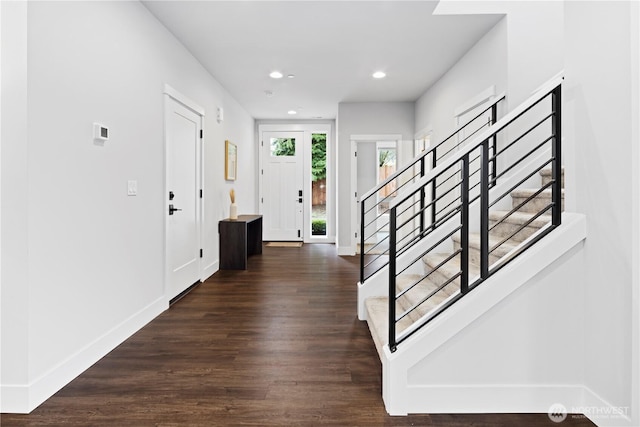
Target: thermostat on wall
<point x="100" y="132"/>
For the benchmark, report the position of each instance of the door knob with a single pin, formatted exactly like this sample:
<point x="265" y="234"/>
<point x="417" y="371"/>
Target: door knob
<point x="172" y="209"/>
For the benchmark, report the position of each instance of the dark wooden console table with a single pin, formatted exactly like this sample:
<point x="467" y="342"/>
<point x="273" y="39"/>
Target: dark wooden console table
<point x="239" y="238"/>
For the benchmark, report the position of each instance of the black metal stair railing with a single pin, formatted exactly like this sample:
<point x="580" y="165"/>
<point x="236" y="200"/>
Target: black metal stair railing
<point x="374" y="240"/>
<point x="530" y="138"/>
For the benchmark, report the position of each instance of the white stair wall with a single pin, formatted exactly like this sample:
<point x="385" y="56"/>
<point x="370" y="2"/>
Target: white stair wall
<point x="476" y="356"/>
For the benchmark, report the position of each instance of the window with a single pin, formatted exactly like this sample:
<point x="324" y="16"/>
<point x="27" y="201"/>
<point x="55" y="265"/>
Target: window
<point x="386" y="167"/>
<point x="318" y="184"/>
<point x="283" y="147"/>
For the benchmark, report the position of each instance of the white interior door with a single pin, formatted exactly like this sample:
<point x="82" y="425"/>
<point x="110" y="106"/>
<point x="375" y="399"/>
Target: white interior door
<point x="183" y="202"/>
<point x="283" y="185"/>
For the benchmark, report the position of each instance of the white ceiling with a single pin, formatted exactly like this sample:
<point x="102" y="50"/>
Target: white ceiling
<point x="332" y="48"/>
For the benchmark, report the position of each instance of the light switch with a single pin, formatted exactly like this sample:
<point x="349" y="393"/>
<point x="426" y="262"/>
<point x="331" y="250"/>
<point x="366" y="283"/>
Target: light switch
<point x="132" y="188"/>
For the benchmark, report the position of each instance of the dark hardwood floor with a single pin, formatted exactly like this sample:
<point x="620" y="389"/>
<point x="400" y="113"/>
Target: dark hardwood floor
<point x="276" y="345"/>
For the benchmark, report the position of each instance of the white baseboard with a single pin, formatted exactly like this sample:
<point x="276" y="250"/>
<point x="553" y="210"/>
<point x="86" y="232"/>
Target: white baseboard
<point x="24" y="398"/>
<point x="346" y="250"/>
<point x="603" y="413"/>
<point x="489" y="398"/>
<point x="210" y="270"/>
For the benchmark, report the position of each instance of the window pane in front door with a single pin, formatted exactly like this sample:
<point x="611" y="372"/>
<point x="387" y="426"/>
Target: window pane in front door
<point x="283" y="147"/>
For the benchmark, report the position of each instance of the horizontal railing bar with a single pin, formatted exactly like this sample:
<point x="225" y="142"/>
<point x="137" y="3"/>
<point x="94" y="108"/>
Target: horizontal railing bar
<point x="412" y="205"/>
<point x="377" y="270"/>
<point x="367" y="227"/>
<point x="446" y="260"/>
<point x="436" y="268"/>
<point x="394" y="193"/>
<point x="516" y="209"/>
<point x="506" y="193"/>
<point x="520" y="249"/>
<point x="515" y="141"/>
<point x="410" y="235"/>
<point x="444" y="219"/>
<point x="443" y="195"/>
<point x="531" y="102"/>
<point x="455" y="172"/>
<point x="549" y="206"/>
<point x="441" y="308"/>
<point x="431" y="294"/>
<point x="374" y="259"/>
<point x="374" y="221"/>
<point x="432" y="227"/>
<point x="449" y="204"/>
<point x="523" y="158"/>
<point x="421" y="156"/>
<point x="441" y="241"/>
<point x="465" y="139"/>
<point x="429" y="205"/>
<point x="376" y="245"/>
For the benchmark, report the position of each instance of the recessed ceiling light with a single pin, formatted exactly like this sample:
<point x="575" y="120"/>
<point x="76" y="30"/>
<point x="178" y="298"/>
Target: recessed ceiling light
<point x="292" y="112"/>
<point x="291" y="76"/>
<point x="379" y="75"/>
<point x="275" y="75"/>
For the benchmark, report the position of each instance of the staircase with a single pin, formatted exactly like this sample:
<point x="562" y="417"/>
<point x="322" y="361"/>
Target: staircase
<point x="467" y="229"/>
<point x="440" y="278"/>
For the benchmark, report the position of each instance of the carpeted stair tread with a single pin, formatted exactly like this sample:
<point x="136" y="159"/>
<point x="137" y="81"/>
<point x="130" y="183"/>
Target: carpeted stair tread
<point x="539" y="202"/>
<point x="377" y="319"/>
<point x="512" y="226"/>
<point x="526" y="192"/>
<point x="474" y="243"/>
<point x="520" y="218"/>
<point x="405" y="280"/>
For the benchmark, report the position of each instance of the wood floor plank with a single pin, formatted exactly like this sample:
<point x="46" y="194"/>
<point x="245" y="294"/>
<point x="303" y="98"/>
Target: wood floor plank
<point x="276" y="345"/>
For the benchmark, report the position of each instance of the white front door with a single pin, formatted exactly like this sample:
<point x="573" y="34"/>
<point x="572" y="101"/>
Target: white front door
<point x="282" y="181"/>
<point x="182" y="201"/>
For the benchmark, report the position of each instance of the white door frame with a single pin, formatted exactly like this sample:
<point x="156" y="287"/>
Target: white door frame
<point x="308" y="129"/>
<point x="281" y="202"/>
<point x="355" y="197"/>
<point x="172" y="94"/>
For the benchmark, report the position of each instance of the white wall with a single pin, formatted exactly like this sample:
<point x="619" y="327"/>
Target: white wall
<point x="599" y="94"/>
<point x="371" y="118"/>
<point x="485" y="65"/>
<point x="87" y="260"/>
<point x="534" y="40"/>
<point x="14" y="309"/>
<point x="529" y="341"/>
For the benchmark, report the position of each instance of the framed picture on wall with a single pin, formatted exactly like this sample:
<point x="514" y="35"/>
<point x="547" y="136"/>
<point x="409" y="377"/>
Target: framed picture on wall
<point x="230" y="161"/>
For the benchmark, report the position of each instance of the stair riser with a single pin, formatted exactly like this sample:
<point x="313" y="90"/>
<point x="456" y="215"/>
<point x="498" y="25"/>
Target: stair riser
<point x="546" y="178"/>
